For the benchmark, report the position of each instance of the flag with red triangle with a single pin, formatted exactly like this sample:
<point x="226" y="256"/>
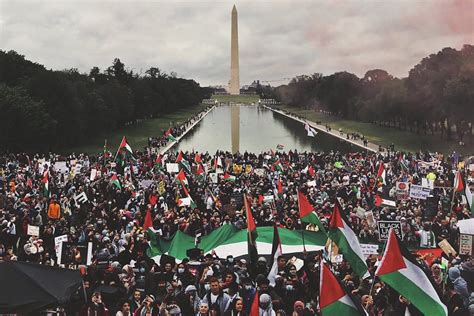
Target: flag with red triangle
<point x="229" y="177"/>
<point x="197" y="158"/>
<point x="333" y="300"/>
<point x="400" y="271"/>
<point x="307" y="213"/>
<point x="345" y="238"/>
<point x="159" y="161"/>
<point x="199" y="170"/>
<point x="251" y="232"/>
<point x="384" y="202"/>
<point x="123" y="152"/>
<point x="280" y="187"/>
<point x="255" y="308"/>
<point x="45" y="182"/>
<point x="311" y="171"/>
<point x="381" y="173"/>
<point x="181" y="177"/>
<point x="180" y="157"/>
<point x="115" y="181"/>
<point x="148" y="221"/>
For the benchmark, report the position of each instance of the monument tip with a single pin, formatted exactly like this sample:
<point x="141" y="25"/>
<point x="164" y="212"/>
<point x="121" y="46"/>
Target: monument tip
<point x="234" y="9"/>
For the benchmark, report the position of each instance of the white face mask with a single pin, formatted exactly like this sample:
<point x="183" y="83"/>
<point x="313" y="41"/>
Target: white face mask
<point x="180" y="270"/>
<point x="207" y="286"/>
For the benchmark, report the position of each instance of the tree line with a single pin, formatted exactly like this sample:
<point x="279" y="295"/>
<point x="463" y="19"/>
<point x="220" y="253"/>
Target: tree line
<point x="43" y="110"/>
<point x="437" y="97"/>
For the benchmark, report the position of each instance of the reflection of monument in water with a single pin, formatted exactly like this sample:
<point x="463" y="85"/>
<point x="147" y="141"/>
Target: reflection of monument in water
<point x="235" y="127"/>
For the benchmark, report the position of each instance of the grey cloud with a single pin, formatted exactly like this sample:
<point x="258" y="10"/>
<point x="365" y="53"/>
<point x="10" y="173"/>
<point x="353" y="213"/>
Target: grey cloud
<point x="277" y="39"/>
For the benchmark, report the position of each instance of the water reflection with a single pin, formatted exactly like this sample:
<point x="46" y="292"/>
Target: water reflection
<point x="259" y="129"/>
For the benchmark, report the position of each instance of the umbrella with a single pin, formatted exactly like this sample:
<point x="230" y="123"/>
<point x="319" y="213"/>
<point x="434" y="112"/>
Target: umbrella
<point x="28" y="287"/>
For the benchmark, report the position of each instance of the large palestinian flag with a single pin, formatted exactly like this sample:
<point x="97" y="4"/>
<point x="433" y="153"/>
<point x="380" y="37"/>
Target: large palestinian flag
<point x="252" y="232"/>
<point x="276" y="252"/>
<point x="123" y="152"/>
<point x="401" y="272"/>
<point x="229" y="240"/>
<point x="333" y="300"/>
<point x="307" y="213"/>
<point x="341" y="233"/>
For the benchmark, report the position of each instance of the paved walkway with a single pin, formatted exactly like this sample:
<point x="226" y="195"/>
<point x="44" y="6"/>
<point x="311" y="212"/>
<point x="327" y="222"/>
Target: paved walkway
<point x="370" y="146"/>
<point x="172" y="143"/>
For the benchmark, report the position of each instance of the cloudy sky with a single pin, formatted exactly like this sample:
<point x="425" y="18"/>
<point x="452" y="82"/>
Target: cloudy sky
<point x="277" y="39"/>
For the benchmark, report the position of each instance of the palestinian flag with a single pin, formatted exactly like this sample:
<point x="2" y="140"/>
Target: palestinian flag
<point x="197" y="158"/>
<point x="180" y="157"/>
<point x="123" y="152"/>
<point x="341" y="233"/>
<point x="186" y="201"/>
<point x="115" y="181"/>
<point x="311" y="171"/>
<point x="401" y="272"/>
<point x="307" y="213"/>
<point x="384" y="202"/>
<point x="159" y="161"/>
<point x="229" y="177"/>
<point x="148" y="221"/>
<point x="185" y="165"/>
<point x="171" y="138"/>
<point x="280" y="147"/>
<point x="333" y="300"/>
<point x="255" y="308"/>
<point x="276" y="252"/>
<point x="278" y="166"/>
<point x="381" y="173"/>
<point x="251" y="232"/>
<point x="461" y="186"/>
<point x="199" y="171"/>
<point x="181" y="177"/>
<point x="45" y="182"/>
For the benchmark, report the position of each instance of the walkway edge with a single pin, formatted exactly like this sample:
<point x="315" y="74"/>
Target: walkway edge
<point x="172" y="143"/>
<point x="321" y="129"/>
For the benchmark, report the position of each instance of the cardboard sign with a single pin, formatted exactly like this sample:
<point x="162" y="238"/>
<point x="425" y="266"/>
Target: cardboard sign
<point x="465" y="244"/>
<point x="33" y="230"/>
<point x="384" y="229"/>
<point x="419" y="192"/>
<point x="369" y="215"/>
<point x="93" y="174"/>
<point x="446" y="247"/>
<point x="369" y="249"/>
<point x="172" y="167"/>
<point x="58" y="246"/>
<point x="402" y="191"/>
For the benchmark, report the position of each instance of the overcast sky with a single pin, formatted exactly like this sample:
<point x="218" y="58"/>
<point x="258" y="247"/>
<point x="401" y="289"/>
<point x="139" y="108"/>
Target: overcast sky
<point x="277" y="39"/>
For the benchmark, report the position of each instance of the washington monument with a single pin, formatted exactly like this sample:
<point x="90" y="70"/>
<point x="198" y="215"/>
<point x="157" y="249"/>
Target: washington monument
<point x="234" y="83"/>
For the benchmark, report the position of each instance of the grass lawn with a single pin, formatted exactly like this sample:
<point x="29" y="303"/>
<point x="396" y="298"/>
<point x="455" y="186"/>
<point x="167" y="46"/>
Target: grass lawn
<point x="137" y="135"/>
<point x="403" y="140"/>
<point x="236" y="98"/>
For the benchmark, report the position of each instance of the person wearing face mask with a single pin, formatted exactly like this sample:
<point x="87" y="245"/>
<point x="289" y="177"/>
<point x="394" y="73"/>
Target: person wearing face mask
<point x="216" y="297"/>
<point x="96" y="307"/>
<point x="247" y="293"/>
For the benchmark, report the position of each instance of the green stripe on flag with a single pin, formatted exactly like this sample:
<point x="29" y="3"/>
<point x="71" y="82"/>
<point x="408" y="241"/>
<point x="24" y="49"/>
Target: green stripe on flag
<point x="314" y="219"/>
<point x="356" y="262"/>
<point x="339" y="308"/>
<point x="417" y="296"/>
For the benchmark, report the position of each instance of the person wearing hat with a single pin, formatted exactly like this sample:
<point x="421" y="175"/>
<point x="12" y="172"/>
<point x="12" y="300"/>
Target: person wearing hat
<point x="265" y="306"/>
<point x="148" y="307"/>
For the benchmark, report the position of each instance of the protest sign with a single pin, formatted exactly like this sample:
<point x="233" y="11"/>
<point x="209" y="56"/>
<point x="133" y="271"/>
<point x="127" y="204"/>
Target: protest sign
<point x="427" y="183"/>
<point x="419" y="192"/>
<point x="369" y="215"/>
<point x="74" y="253"/>
<point x="259" y="172"/>
<point x="61" y="167"/>
<point x="93" y="174"/>
<point x="402" y="190"/>
<point x="446" y="247"/>
<point x="58" y="244"/>
<point x="81" y="198"/>
<point x="465" y="244"/>
<point x="369" y="249"/>
<point x="33" y="230"/>
<point x="311" y="183"/>
<point x="384" y="228"/>
<point x="213" y="177"/>
<point x="172" y="167"/>
<point x="146" y="183"/>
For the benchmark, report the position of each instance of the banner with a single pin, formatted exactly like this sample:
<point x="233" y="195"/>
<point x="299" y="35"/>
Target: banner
<point x="465" y="244"/>
<point x="402" y="191"/>
<point x="384" y="228"/>
<point x="419" y="192"/>
<point x="58" y="246"/>
<point x="60" y="167"/>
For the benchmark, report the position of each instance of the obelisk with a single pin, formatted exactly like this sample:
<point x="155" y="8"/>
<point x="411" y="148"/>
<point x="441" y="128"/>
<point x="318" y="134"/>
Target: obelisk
<point x="234" y="83"/>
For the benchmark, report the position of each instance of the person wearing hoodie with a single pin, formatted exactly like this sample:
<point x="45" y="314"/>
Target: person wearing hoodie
<point x="265" y="306"/>
<point x="459" y="284"/>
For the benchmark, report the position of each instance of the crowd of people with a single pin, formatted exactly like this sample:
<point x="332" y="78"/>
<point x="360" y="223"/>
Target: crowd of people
<point x="47" y="191"/>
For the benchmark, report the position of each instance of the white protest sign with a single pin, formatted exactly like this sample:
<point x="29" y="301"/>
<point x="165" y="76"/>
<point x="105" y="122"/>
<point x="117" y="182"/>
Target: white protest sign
<point x="33" y="230"/>
<point x="58" y="241"/>
<point x="465" y="244"/>
<point x="419" y="192"/>
<point x="369" y="249"/>
<point x="78" y="168"/>
<point x="93" y="174"/>
<point x="89" y="253"/>
<point x="172" y="167"/>
<point x="60" y="166"/>
<point x="311" y="183"/>
<point x="259" y="172"/>
<point x="427" y="183"/>
<point x="402" y="190"/>
<point x="214" y="178"/>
